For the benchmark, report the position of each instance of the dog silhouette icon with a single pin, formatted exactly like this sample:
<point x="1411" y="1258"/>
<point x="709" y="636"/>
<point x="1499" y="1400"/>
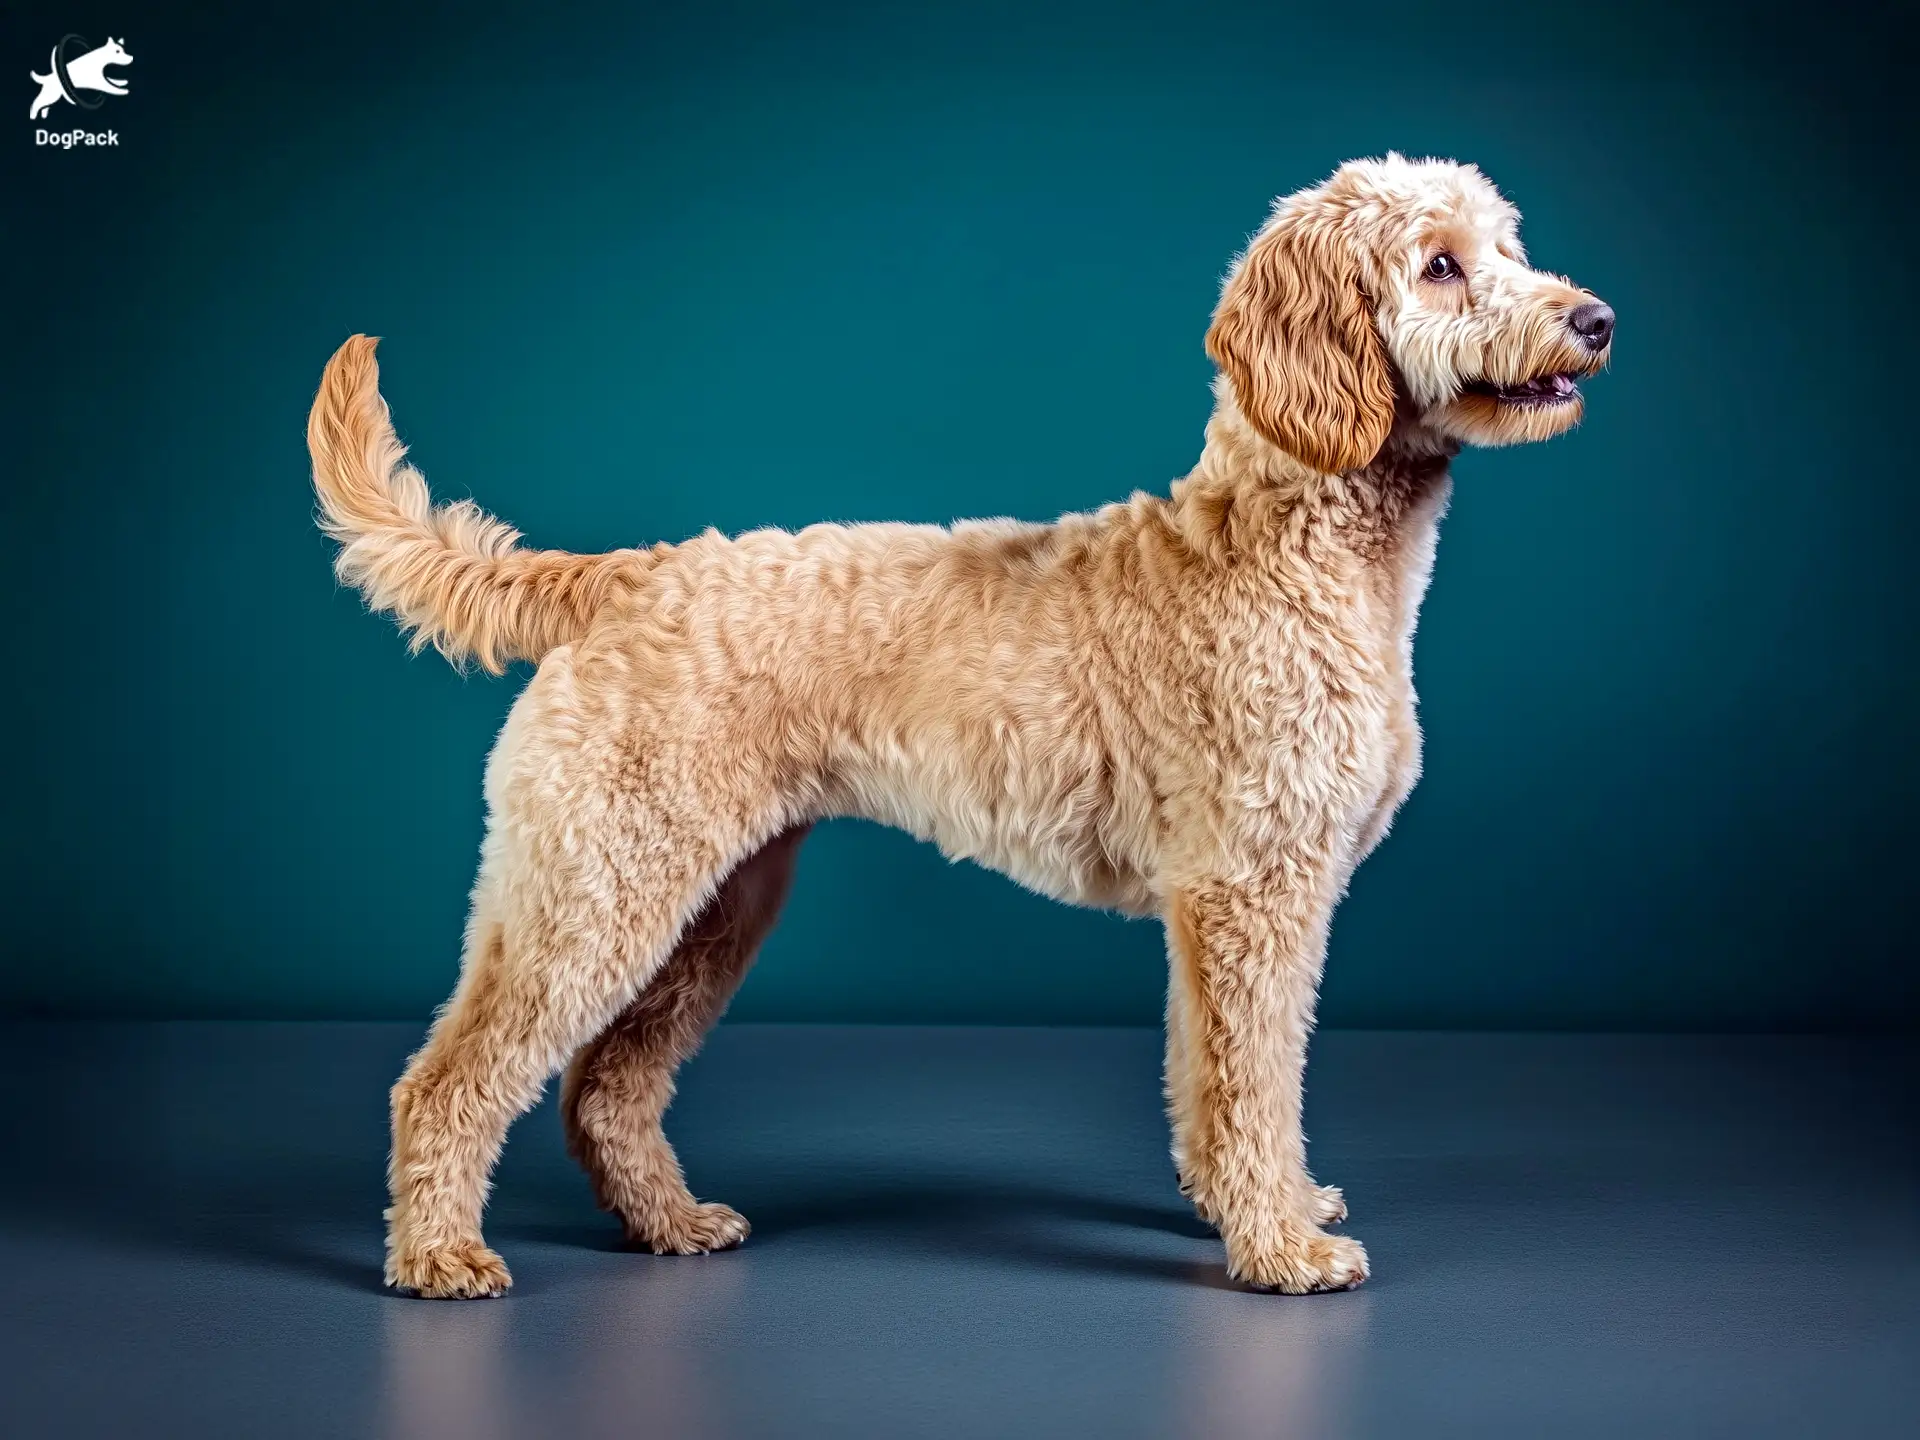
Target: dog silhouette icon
<point x="83" y="73"/>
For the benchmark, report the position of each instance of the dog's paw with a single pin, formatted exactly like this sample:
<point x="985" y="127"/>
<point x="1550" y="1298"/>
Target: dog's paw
<point x="468" y="1271"/>
<point x="1299" y="1262"/>
<point x="1329" y="1205"/>
<point x="695" y="1230"/>
<point x="1197" y="1195"/>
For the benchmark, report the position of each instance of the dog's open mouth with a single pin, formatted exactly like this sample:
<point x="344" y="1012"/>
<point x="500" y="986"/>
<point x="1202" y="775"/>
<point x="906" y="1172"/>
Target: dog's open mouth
<point x="1558" y="389"/>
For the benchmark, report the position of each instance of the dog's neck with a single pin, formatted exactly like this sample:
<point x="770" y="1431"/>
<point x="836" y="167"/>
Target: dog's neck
<point x="1247" y="496"/>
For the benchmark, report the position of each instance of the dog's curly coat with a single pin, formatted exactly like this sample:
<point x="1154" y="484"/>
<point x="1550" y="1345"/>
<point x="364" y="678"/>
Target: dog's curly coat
<point x="1197" y="706"/>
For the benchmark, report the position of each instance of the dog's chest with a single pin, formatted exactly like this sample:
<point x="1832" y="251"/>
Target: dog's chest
<point x="1323" y="703"/>
<point x="1397" y="576"/>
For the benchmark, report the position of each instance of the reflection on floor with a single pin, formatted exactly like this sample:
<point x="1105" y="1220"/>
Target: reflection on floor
<point x="976" y="1233"/>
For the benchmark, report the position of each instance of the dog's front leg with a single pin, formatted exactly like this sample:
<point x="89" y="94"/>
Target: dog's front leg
<point x="1246" y="956"/>
<point x="1182" y="1089"/>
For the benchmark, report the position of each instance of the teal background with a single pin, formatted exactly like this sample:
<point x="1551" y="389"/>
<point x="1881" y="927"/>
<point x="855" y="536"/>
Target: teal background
<point x="645" y="269"/>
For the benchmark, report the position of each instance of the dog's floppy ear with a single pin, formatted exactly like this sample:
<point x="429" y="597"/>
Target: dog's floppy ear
<point x="1294" y="334"/>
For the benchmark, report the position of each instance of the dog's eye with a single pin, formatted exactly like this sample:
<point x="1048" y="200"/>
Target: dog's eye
<point x="1442" y="267"/>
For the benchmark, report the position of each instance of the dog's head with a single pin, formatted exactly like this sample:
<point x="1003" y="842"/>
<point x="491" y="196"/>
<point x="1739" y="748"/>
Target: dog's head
<point x="1399" y="288"/>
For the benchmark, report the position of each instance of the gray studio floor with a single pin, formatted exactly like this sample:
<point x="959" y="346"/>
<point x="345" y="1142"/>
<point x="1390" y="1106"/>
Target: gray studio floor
<point x="976" y="1233"/>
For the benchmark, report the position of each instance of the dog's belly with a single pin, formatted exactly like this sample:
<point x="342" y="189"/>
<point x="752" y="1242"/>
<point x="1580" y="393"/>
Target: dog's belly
<point x="1061" y="839"/>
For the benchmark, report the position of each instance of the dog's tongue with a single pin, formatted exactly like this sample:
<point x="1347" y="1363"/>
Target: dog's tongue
<point x="1545" y="385"/>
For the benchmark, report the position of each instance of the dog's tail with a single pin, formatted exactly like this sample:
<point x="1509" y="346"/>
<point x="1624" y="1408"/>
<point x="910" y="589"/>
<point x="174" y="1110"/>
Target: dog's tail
<point x="453" y="576"/>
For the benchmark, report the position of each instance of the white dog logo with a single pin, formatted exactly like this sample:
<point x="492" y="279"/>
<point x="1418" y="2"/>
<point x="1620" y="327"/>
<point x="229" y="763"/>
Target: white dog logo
<point x="70" y="78"/>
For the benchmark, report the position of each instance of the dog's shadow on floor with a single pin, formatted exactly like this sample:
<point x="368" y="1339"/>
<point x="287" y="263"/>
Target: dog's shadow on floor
<point x="1030" y="1226"/>
<point x="327" y="1228"/>
<point x="298" y="1239"/>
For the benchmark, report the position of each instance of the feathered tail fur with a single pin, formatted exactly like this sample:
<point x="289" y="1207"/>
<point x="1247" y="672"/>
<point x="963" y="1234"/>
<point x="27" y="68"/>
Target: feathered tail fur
<point x="453" y="576"/>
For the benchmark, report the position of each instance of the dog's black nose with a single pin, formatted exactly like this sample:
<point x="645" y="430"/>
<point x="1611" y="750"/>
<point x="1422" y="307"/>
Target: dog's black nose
<point x="1593" y="323"/>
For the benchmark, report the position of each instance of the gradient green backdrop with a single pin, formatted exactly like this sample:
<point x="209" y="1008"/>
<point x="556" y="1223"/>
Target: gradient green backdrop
<point x="646" y="269"/>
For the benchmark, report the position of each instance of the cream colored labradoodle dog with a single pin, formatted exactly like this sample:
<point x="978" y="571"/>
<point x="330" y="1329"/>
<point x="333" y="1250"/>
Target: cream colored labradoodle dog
<point x="1196" y="706"/>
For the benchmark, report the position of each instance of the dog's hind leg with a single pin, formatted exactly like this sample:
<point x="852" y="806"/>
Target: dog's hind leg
<point x="607" y="831"/>
<point x="620" y="1085"/>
